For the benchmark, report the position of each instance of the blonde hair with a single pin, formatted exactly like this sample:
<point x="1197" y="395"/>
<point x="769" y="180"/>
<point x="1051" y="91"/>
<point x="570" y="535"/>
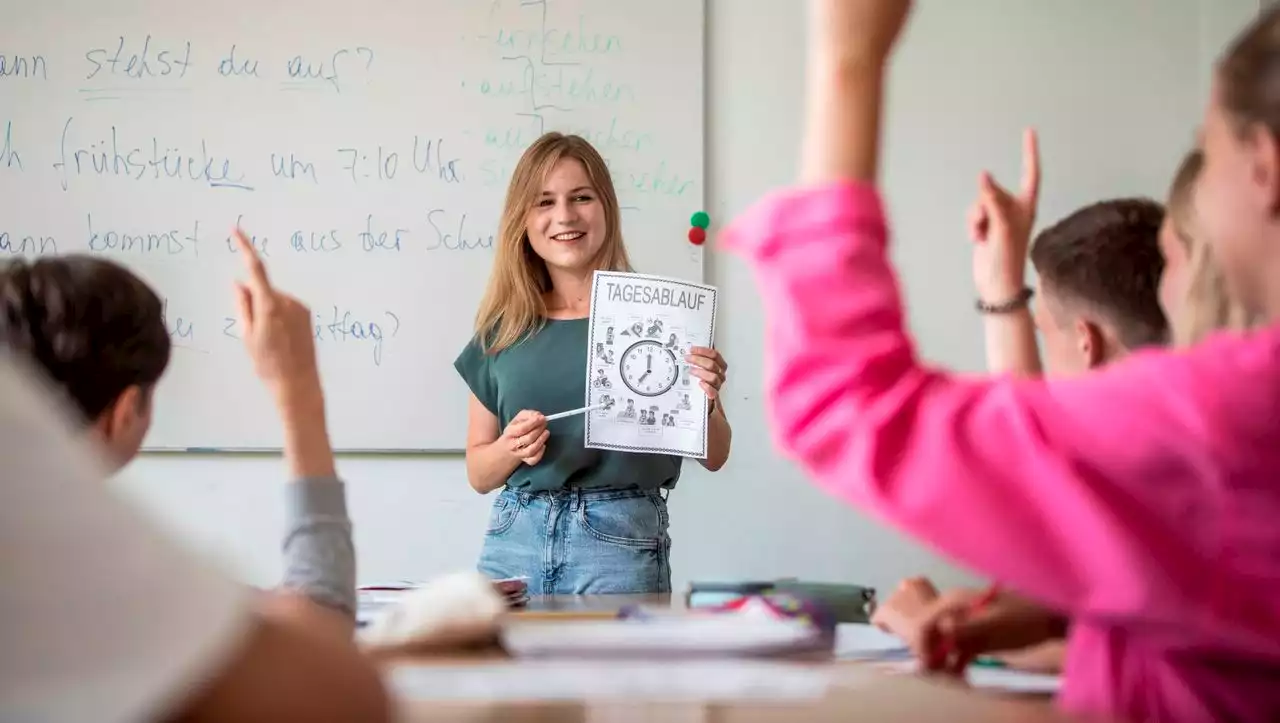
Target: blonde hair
<point x="513" y="305"/>
<point x="1207" y="306"/>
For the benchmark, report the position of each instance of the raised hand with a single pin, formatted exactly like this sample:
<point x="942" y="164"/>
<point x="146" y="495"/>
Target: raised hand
<point x="860" y="30"/>
<point x="276" y="328"/>
<point x="1000" y="224"/>
<point x="278" y="336"/>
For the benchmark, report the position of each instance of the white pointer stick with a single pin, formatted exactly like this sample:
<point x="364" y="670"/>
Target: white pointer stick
<point x="572" y="412"/>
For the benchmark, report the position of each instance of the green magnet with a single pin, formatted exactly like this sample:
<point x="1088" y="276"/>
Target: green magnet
<point x="700" y="219"/>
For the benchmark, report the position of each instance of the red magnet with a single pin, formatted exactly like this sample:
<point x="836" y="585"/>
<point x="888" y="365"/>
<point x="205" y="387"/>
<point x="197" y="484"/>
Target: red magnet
<point x="697" y="236"/>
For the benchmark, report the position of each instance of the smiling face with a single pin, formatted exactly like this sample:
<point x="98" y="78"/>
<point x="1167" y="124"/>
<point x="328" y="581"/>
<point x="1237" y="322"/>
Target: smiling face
<point x="567" y="225"/>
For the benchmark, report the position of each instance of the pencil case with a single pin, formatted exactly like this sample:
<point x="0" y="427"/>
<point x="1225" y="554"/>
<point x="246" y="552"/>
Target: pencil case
<point x="848" y="603"/>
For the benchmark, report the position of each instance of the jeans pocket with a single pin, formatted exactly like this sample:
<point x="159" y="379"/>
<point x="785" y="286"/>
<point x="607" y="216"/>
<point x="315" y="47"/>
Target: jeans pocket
<point x="503" y="515"/>
<point x="639" y="521"/>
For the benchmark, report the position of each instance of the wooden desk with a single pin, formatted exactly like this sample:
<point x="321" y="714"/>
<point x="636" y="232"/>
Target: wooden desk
<point x="853" y="692"/>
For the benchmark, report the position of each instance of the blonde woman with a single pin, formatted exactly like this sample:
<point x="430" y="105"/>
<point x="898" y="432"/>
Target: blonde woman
<point x="572" y="520"/>
<point x="1192" y="289"/>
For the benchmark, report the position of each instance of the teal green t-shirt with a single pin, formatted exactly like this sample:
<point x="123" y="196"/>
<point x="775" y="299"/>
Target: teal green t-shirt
<point x="547" y="372"/>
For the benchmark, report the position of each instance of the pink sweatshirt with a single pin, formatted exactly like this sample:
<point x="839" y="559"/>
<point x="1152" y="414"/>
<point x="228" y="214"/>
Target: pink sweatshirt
<point x="1143" y="500"/>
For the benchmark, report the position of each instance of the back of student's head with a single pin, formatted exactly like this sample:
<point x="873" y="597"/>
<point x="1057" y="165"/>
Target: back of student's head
<point x="1104" y="260"/>
<point x="97" y="331"/>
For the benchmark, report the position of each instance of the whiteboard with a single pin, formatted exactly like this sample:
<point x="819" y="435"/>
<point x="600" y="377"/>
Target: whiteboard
<point x="366" y="147"/>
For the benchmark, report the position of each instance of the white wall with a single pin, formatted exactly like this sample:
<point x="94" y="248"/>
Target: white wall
<point x="1116" y="87"/>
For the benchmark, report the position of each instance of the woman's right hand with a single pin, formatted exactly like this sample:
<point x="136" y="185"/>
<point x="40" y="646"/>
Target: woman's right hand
<point x="525" y="437"/>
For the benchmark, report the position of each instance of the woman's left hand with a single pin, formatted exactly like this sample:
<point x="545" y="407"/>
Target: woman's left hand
<point x="710" y="368"/>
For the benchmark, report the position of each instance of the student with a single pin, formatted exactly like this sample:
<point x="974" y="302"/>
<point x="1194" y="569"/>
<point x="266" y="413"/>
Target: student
<point x="97" y="331"/>
<point x="1099" y="270"/>
<point x="1193" y="295"/>
<point x="1164" y="462"/>
<point x="105" y="619"/>
<point x="573" y="520"/>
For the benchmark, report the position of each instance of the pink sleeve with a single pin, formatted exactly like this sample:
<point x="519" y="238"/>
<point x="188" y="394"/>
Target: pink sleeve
<point x="1099" y="495"/>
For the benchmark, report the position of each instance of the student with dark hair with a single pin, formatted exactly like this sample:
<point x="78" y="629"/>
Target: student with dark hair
<point x="98" y="333"/>
<point x="1099" y="270"/>
<point x="102" y="617"/>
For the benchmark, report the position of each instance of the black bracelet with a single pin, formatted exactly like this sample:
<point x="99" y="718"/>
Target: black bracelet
<point x="1004" y="307"/>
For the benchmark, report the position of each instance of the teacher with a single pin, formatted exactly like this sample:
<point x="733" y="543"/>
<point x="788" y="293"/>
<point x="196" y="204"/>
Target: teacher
<point x="572" y="520"/>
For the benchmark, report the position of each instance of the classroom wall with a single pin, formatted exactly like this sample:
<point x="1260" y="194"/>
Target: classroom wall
<point x="1116" y="95"/>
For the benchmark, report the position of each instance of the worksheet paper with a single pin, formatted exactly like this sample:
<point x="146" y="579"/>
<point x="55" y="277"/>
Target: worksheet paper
<point x="867" y="643"/>
<point x="862" y="641"/>
<point x="641" y="329"/>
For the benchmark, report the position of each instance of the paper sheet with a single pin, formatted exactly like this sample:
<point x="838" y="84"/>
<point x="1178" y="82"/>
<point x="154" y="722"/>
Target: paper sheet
<point x="651" y="681"/>
<point x="667" y="637"/>
<point x="1013" y="681"/>
<point x="861" y="641"/>
<point x="998" y="679"/>
<point x="641" y="329"/>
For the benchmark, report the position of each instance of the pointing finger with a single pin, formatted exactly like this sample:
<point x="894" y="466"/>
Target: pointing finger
<point x="995" y="199"/>
<point x="246" y="308"/>
<point x="258" y="281"/>
<point x="1030" y="166"/>
<point x="977" y="222"/>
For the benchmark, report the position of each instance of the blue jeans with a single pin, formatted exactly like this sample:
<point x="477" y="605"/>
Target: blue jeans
<point x="580" y="542"/>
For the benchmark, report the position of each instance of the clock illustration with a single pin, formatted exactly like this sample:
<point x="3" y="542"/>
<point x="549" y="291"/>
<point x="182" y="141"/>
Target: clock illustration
<point x="648" y="368"/>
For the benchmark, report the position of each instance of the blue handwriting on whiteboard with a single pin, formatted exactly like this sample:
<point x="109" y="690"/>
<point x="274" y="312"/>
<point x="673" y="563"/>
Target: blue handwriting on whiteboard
<point x="302" y="69"/>
<point x="13" y="245"/>
<point x="231" y="66"/>
<point x="181" y="329"/>
<point x="20" y="66"/>
<point x="259" y="243"/>
<point x="147" y="62"/>
<point x="382" y="163"/>
<point x="454" y="238"/>
<point x="371" y="240"/>
<point x="315" y="241"/>
<point x="113" y="158"/>
<point x="291" y="167"/>
<point x="167" y="242"/>
<point x="346" y="327"/>
<point x="9" y="157"/>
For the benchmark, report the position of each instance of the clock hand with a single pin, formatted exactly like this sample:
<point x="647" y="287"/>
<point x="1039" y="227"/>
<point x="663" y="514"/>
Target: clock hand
<point x="642" y="376"/>
<point x="649" y="366"/>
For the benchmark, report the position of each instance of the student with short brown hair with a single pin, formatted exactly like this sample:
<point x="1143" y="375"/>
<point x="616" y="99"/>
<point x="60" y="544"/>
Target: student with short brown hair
<point x="102" y="617"/>
<point x="97" y="331"/>
<point x="1099" y="270"/>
